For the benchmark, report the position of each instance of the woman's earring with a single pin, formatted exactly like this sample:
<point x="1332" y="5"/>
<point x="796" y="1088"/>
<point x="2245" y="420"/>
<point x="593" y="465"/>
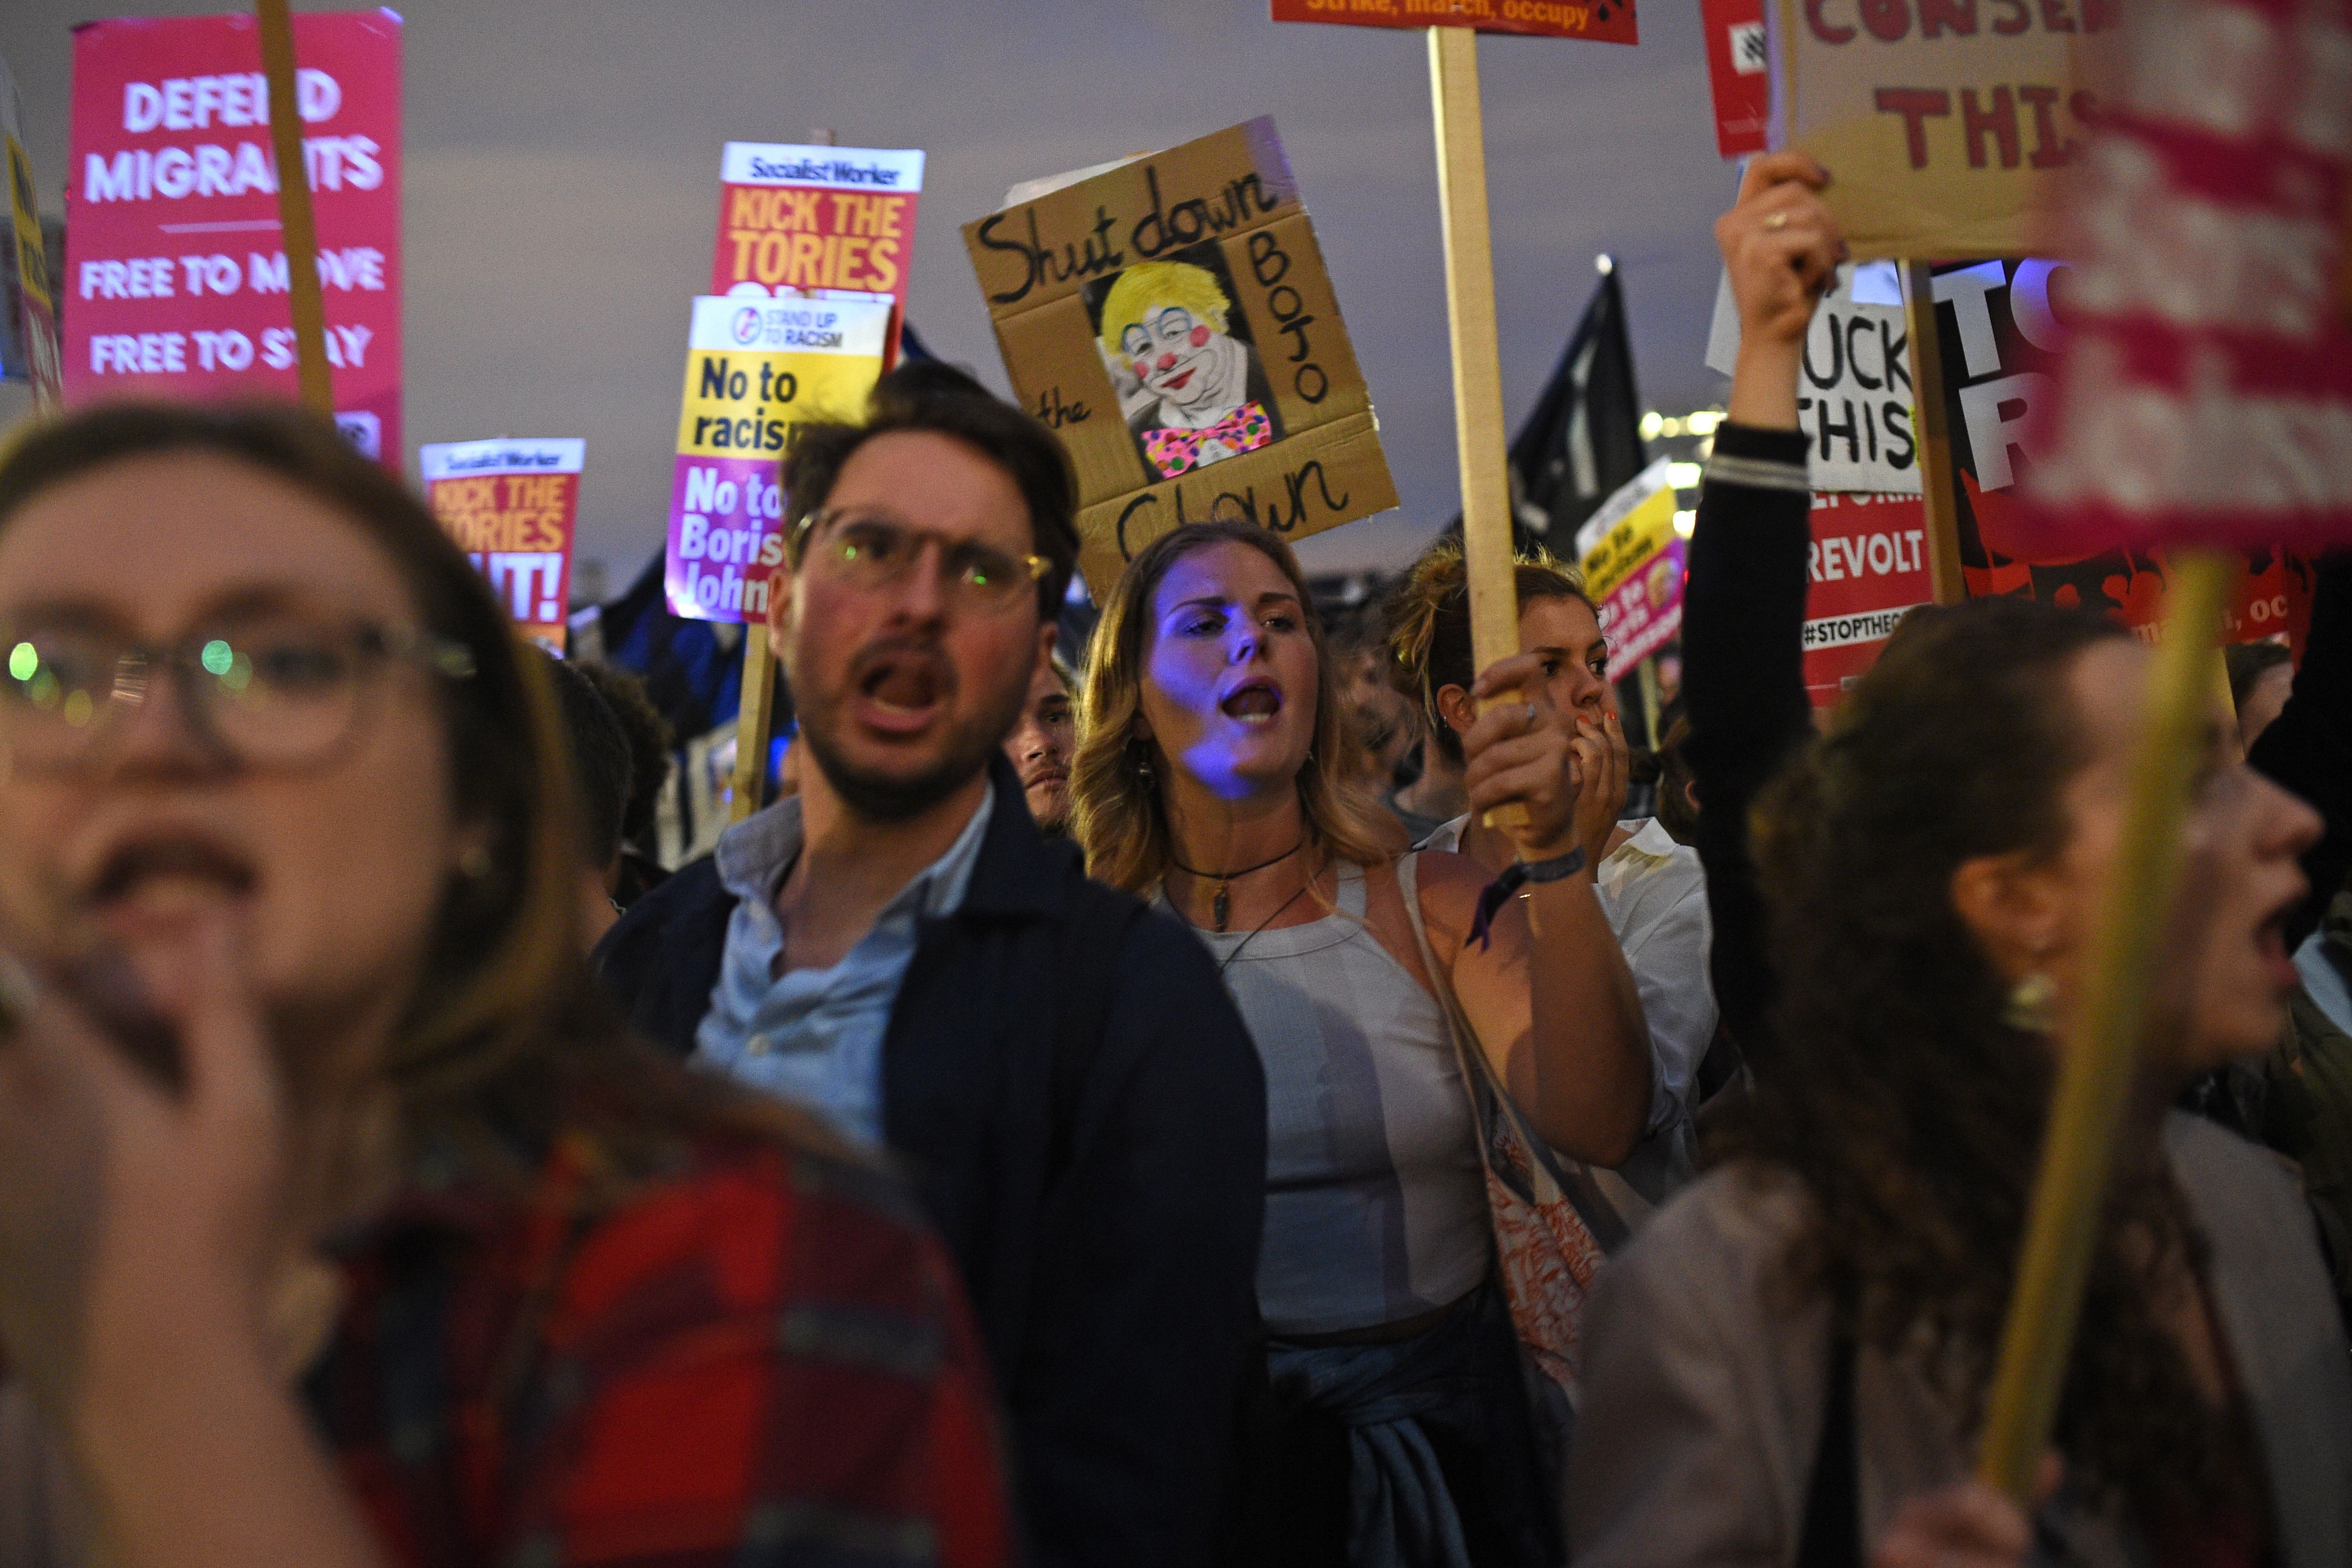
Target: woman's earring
<point x="2031" y="1007"/>
<point x="1143" y="767"/>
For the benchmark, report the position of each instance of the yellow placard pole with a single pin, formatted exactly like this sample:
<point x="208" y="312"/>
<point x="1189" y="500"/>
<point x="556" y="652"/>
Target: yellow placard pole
<point x="295" y="226"/>
<point x="2100" y="1050"/>
<point x="1477" y="359"/>
<point x="1931" y="432"/>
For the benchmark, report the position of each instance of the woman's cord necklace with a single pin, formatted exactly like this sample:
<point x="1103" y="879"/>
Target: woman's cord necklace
<point x="1221" y="903"/>
<point x="1261" y="928"/>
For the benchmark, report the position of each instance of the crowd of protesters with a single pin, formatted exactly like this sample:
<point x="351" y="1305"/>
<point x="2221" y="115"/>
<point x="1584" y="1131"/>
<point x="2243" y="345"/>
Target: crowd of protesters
<point x="1122" y="1114"/>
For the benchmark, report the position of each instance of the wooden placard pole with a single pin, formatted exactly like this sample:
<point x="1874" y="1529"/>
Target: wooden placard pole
<point x="1477" y="359"/>
<point x="1938" y="490"/>
<point x="2100" y="1055"/>
<point x="750" y="777"/>
<point x="296" y="226"/>
<point x="748" y="780"/>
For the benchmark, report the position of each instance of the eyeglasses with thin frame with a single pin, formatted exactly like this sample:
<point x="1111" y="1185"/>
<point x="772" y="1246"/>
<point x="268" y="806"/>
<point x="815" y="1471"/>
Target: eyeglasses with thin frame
<point x="869" y="549"/>
<point x="273" y="691"/>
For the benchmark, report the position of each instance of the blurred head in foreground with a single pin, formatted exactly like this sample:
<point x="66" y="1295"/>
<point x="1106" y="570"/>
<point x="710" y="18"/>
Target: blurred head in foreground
<point x="250" y="684"/>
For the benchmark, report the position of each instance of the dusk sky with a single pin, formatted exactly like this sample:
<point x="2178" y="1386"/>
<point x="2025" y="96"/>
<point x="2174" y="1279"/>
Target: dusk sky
<point x="563" y="171"/>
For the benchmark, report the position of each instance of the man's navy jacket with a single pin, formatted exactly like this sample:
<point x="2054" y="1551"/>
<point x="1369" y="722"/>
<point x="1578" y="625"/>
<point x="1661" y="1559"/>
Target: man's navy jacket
<point x="1078" y="1105"/>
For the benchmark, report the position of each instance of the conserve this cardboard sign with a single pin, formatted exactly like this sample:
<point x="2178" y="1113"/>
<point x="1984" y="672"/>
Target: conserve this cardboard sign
<point x="1606" y="21"/>
<point x="1941" y="120"/>
<point x="1171" y="319"/>
<point x="511" y="506"/>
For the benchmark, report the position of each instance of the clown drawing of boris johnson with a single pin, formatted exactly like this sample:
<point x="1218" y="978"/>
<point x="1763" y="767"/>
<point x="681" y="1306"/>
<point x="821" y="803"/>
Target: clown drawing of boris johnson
<point x="1180" y="354"/>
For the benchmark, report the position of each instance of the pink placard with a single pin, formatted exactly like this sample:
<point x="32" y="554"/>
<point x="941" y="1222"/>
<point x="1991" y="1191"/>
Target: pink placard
<point x="175" y="282"/>
<point x="1646" y="609"/>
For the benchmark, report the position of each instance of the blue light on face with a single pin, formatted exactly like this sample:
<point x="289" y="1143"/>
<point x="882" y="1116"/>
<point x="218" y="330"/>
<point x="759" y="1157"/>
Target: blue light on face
<point x="216" y="657"/>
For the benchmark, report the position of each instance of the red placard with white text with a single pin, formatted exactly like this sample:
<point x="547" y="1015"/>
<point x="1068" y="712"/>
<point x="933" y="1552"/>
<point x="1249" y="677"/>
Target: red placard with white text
<point x="818" y="222"/>
<point x="1866" y="566"/>
<point x="512" y="506"/>
<point x="175" y="281"/>
<point x="1739" y="73"/>
<point x="1604" y="21"/>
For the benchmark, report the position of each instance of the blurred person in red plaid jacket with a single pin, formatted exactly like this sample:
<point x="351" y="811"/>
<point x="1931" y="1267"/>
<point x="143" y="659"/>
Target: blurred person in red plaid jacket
<point x="338" y="1222"/>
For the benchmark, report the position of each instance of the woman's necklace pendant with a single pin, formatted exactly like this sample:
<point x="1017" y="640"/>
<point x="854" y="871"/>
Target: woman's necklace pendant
<point x="1222" y="904"/>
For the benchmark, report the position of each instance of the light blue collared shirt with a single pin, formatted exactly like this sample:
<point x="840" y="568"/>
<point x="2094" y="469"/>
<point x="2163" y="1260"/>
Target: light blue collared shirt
<point x="815" y="1035"/>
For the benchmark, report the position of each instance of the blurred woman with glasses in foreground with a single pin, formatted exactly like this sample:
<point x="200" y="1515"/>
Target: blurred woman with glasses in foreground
<point x="338" y="1223"/>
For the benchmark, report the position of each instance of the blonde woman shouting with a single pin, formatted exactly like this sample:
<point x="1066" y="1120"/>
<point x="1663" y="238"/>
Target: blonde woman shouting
<point x="1417" y="1052"/>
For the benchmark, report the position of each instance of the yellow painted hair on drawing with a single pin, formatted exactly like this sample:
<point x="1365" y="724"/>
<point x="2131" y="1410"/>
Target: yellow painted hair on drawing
<point x="1154" y="286"/>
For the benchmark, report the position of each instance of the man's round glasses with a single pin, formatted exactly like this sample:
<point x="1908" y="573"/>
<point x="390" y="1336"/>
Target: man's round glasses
<point x="269" y="691"/>
<point x="871" y="549"/>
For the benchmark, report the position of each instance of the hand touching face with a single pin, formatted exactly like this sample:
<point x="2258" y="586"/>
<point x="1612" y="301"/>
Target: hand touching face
<point x="331" y="873"/>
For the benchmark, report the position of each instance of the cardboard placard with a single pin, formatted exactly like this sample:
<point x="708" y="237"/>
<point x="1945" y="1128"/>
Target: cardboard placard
<point x="512" y="505"/>
<point x="174" y="269"/>
<point x="1739" y="74"/>
<point x="818" y="222"/>
<point x="1865" y="570"/>
<point x="1603" y="21"/>
<point x="754" y="369"/>
<point x="1941" y="120"/>
<point x="28" y="308"/>
<point x="1172" y="319"/>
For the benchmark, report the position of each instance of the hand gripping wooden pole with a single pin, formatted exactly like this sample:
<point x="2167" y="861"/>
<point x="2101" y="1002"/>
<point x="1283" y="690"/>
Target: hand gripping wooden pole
<point x="1478" y="360"/>
<point x="2101" y="1049"/>
<point x="295" y="226"/>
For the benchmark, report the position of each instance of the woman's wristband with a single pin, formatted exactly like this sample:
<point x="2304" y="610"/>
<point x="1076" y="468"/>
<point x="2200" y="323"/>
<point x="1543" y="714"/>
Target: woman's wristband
<point x="1499" y="892"/>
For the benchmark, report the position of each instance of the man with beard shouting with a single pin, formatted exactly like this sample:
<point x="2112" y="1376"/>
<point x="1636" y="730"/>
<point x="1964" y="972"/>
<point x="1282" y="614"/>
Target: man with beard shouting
<point x="1058" y="1072"/>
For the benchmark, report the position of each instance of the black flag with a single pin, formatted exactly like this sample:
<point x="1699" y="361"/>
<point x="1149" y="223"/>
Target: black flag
<point x="1584" y="439"/>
